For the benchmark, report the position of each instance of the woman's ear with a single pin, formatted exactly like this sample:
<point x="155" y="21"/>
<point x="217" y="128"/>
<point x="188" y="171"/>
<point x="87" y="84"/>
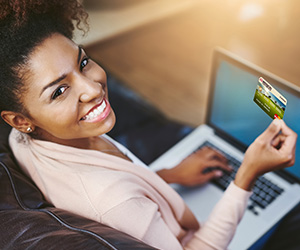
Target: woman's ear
<point x="17" y="121"/>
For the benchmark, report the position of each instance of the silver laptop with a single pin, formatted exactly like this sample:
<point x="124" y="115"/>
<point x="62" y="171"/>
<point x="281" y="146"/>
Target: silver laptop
<point x="233" y="122"/>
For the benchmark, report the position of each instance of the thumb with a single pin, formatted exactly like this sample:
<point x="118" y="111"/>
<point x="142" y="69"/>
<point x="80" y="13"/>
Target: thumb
<point x="273" y="130"/>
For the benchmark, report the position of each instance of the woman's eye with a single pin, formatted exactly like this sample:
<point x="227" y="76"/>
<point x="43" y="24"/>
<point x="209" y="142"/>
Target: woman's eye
<point x="83" y="63"/>
<point x="59" y="91"/>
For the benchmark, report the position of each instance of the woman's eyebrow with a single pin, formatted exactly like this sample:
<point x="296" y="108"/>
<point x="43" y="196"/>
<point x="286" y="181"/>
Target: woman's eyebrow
<point x="53" y="83"/>
<point x="63" y="76"/>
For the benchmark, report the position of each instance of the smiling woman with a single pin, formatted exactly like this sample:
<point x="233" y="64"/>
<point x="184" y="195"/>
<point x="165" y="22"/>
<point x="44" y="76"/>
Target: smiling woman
<point x="66" y="95"/>
<point x="56" y="100"/>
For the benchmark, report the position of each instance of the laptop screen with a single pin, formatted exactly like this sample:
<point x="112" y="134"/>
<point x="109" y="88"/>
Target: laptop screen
<point x="232" y="111"/>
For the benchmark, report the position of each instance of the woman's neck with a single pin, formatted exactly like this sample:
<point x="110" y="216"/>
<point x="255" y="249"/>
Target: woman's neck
<point x="98" y="143"/>
<point x="83" y="143"/>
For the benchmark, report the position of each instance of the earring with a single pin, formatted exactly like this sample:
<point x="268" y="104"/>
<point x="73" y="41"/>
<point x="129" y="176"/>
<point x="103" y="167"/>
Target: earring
<point x="29" y="129"/>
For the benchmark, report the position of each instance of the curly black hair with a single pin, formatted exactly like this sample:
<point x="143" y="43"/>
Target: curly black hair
<point x="24" y="24"/>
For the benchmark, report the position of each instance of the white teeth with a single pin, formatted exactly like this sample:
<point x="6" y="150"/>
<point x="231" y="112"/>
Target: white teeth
<point x="102" y="107"/>
<point x="96" y="112"/>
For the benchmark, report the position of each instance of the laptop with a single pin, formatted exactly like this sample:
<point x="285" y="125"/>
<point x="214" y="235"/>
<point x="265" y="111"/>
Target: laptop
<point x="233" y="122"/>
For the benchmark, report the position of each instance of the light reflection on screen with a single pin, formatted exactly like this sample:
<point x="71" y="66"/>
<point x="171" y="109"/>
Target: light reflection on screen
<point x="237" y="114"/>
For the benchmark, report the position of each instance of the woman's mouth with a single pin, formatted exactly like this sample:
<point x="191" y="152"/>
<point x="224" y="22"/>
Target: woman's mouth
<point x="98" y="112"/>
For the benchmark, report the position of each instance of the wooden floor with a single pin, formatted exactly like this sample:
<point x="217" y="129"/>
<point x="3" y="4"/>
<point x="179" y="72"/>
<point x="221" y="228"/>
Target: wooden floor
<point x="168" y="61"/>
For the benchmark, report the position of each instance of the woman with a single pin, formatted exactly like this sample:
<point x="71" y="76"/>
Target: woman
<point x="56" y="99"/>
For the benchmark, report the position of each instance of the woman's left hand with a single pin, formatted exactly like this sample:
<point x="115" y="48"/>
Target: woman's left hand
<point x="197" y="169"/>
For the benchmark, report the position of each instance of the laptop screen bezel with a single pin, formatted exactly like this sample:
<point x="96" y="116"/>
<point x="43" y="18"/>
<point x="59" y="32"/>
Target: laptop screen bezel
<point x="220" y="55"/>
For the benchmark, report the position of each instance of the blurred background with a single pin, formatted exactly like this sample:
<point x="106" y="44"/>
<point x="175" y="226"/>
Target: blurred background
<point x="162" y="49"/>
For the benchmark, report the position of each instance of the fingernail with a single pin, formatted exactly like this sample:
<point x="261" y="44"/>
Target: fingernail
<point x="218" y="173"/>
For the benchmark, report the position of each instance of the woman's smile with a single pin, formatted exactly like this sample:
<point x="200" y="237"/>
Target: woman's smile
<point x="98" y="113"/>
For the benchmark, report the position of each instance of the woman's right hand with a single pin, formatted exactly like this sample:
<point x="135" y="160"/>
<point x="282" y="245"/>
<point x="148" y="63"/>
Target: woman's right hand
<point x="272" y="150"/>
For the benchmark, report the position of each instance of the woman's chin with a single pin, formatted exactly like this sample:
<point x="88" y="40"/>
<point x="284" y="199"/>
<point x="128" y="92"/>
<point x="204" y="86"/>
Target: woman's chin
<point x="105" y="126"/>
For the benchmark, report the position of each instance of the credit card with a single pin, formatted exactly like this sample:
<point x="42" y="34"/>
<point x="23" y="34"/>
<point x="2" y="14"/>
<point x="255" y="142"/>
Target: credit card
<point x="269" y="99"/>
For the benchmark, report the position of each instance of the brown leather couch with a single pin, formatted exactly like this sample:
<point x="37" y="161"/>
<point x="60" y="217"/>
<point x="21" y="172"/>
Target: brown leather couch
<point x="27" y="221"/>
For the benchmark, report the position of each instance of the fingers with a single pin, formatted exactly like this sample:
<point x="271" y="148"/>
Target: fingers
<point x="212" y="175"/>
<point x="273" y="130"/>
<point x="287" y="150"/>
<point x="285" y="142"/>
<point x="278" y="140"/>
<point x="210" y="153"/>
<point x="201" y="178"/>
<point x="290" y="138"/>
<point x="214" y="165"/>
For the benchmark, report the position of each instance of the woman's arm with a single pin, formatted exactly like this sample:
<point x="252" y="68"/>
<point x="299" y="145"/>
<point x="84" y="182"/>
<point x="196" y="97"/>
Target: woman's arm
<point x="272" y="150"/>
<point x="141" y="218"/>
<point x="219" y="229"/>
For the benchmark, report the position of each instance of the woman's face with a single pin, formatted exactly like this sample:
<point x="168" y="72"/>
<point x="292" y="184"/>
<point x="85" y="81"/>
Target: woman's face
<point x="66" y="95"/>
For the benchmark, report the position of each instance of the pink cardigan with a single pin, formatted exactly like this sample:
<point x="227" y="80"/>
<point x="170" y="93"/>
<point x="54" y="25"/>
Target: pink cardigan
<point x="126" y="196"/>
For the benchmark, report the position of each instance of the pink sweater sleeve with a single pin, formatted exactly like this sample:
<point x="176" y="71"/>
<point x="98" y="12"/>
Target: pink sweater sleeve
<point x="219" y="229"/>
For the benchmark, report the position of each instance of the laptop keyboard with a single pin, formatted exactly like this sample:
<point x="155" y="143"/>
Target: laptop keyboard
<point x="264" y="191"/>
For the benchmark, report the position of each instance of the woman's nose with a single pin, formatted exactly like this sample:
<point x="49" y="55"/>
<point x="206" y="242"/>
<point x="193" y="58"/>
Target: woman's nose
<point x="89" y="90"/>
